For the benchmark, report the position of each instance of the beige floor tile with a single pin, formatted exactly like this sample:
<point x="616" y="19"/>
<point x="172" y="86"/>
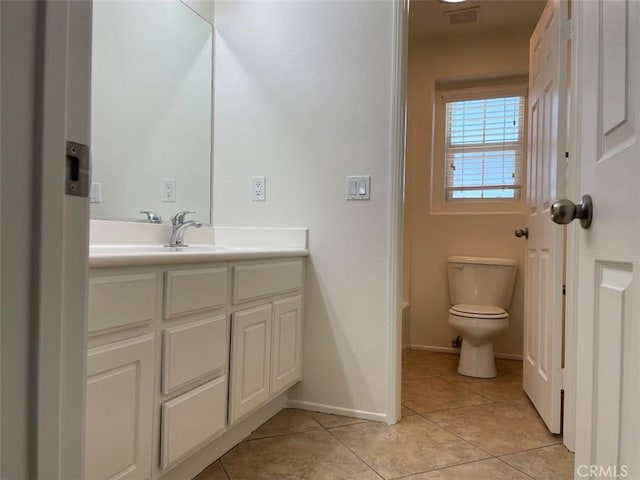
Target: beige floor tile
<point x="406" y="412"/>
<point x="314" y="455"/>
<point x="328" y="420"/>
<point x="212" y="472"/>
<point x="286" y="421"/>
<point x="548" y="463"/>
<point x="503" y="363"/>
<point x="414" y="445"/>
<point x="499" y="428"/>
<point x="419" y="364"/>
<point x="430" y="394"/>
<point x="491" y="469"/>
<point x="506" y="386"/>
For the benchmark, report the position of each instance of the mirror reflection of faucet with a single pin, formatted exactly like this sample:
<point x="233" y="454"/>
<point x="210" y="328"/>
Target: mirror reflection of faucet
<point x="178" y="228"/>
<point x="152" y="217"/>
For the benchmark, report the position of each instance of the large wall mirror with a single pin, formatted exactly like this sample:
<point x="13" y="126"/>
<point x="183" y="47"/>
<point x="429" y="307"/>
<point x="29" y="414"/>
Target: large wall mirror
<point x="151" y="110"/>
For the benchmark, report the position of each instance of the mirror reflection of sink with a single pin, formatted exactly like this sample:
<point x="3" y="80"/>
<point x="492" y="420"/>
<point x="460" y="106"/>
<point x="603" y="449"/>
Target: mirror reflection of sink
<point x="154" y="249"/>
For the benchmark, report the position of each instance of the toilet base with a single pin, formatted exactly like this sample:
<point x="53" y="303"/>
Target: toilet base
<point x="477" y="361"/>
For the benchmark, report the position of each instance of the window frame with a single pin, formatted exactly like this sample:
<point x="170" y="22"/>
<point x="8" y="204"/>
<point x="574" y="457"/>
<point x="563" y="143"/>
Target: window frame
<point x="440" y="203"/>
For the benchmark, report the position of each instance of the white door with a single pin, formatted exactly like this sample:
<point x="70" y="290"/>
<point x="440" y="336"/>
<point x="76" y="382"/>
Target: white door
<point x="542" y="360"/>
<point x="63" y="244"/>
<point x="607" y="290"/>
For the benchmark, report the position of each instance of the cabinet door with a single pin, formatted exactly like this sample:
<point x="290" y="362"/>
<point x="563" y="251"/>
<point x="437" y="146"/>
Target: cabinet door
<point x="286" y="344"/>
<point x="118" y="422"/>
<point x="250" y="360"/>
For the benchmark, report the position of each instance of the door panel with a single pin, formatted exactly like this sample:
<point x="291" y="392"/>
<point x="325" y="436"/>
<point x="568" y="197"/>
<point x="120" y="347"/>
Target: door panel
<point x="250" y="360"/>
<point x="543" y="270"/>
<point x="118" y="414"/>
<point x="607" y="315"/>
<point x="286" y="351"/>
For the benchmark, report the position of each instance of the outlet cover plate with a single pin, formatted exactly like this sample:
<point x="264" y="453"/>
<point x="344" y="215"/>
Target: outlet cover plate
<point x="258" y="189"/>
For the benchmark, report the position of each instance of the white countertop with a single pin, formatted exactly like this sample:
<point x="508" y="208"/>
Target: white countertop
<point x="101" y="256"/>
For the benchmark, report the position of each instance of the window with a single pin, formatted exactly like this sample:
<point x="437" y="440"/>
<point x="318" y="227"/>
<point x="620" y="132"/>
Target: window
<point x="484" y="147"/>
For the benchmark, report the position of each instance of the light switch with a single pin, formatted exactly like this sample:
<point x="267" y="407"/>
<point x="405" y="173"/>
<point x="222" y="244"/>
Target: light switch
<point x="358" y="187"/>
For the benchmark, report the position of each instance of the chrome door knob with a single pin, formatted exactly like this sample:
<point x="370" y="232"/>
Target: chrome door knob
<point x="522" y="233"/>
<point x="565" y="211"/>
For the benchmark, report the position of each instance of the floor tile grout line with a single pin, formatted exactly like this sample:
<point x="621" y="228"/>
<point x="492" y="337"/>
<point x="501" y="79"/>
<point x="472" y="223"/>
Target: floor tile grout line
<point x="530" y="449"/>
<point x="224" y="469"/>
<point x="459" y="436"/>
<point x="516" y="468"/>
<point x="314" y="429"/>
<point x="382" y="477"/>
<point x="492" y="402"/>
<point x="445" y="467"/>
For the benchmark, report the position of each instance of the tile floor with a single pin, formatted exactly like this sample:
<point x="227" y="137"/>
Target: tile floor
<point x="452" y="428"/>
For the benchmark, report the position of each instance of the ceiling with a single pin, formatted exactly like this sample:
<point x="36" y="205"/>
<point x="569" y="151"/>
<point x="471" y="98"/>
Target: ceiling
<point x="427" y="17"/>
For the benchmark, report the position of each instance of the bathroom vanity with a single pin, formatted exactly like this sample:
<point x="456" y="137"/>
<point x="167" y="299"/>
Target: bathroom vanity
<point x="189" y="350"/>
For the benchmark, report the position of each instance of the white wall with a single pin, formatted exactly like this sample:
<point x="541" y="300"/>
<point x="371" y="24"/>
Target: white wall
<point x="435" y="237"/>
<point x="303" y="96"/>
<point x="19" y="143"/>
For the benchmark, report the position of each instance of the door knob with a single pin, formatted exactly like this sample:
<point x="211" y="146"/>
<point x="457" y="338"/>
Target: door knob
<point x="565" y="211"/>
<point x="522" y="233"/>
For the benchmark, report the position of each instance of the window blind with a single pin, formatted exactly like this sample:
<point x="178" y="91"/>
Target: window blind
<point x="483" y="148"/>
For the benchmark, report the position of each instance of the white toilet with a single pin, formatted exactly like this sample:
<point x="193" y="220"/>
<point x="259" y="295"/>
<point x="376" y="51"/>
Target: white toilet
<point x="480" y="290"/>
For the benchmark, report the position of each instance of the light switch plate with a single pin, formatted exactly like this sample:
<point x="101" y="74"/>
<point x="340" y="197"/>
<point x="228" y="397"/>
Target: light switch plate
<point x="359" y="187"/>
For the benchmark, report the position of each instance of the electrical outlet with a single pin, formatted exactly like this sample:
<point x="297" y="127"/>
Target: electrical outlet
<point x="169" y="191"/>
<point x="258" y="189"/>
<point x="95" y="195"/>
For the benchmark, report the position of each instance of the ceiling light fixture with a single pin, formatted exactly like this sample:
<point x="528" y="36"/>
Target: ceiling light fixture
<point x="453" y="1"/>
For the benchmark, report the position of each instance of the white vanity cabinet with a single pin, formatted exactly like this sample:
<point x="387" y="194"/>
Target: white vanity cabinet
<point x="266" y="339"/>
<point x="177" y="354"/>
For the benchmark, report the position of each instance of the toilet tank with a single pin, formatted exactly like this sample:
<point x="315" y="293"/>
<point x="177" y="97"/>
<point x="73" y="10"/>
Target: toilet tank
<point x="481" y="280"/>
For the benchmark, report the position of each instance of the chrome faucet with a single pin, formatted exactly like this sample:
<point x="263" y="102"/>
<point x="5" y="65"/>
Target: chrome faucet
<point x="179" y="227"/>
<point x="152" y="217"/>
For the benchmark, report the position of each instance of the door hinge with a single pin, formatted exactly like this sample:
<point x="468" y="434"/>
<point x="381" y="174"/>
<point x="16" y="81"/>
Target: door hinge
<point x="566" y="30"/>
<point x="564" y="289"/>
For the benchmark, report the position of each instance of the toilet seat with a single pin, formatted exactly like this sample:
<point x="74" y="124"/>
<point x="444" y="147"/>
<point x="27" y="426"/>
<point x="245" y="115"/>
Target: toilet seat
<point x="478" y="311"/>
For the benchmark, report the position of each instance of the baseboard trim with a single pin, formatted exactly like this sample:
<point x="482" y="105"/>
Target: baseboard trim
<point x="430" y="348"/>
<point x="345" y="412"/>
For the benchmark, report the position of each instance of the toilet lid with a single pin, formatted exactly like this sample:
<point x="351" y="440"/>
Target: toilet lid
<point x="478" y="309"/>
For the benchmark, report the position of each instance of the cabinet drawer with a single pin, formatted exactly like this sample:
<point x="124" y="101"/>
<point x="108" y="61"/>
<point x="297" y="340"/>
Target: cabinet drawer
<point x="192" y="351"/>
<point x="252" y="282"/>
<point x="192" y="291"/>
<point x="192" y="418"/>
<point x="120" y="301"/>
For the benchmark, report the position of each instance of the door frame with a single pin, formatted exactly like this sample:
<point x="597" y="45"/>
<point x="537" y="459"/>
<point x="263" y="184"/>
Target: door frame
<point x="399" y="53"/>
<point x="62" y="242"/>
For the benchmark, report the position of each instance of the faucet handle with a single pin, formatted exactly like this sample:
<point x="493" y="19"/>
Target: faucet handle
<point x="152" y="217"/>
<point x="178" y="218"/>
